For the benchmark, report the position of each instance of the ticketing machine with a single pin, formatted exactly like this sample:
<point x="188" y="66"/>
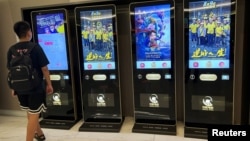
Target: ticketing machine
<point x="209" y="64"/>
<point x="97" y="42"/>
<point x="50" y="28"/>
<point x="152" y="35"/>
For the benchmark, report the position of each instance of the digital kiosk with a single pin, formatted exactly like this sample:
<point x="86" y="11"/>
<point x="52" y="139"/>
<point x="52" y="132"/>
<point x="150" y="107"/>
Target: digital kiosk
<point x="152" y="36"/>
<point x="51" y="32"/>
<point x="209" y="65"/>
<point x="97" y="42"/>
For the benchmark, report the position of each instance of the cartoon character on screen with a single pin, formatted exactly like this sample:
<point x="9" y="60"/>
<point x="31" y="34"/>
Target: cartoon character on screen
<point x="156" y="25"/>
<point x="52" y="25"/>
<point x="52" y="28"/>
<point x="46" y="30"/>
<point x="140" y="25"/>
<point x="140" y="21"/>
<point x="160" y="14"/>
<point x="152" y="24"/>
<point x="160" y="22"/>
<point x="153" y="41"/>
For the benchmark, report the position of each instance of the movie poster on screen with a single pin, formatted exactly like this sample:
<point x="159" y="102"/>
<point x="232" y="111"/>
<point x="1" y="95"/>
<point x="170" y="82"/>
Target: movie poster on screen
<point x="97" y="32"/>
<point x="51" y="34"/>
<point x="153" y="36"/>
<point x="209" y="34"/>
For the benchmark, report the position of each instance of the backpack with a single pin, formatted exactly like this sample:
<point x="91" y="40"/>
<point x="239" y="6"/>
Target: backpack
<point x="22" y="77"/>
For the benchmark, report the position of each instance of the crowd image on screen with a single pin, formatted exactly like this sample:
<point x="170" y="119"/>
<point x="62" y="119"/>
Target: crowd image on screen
<point x="209" y="27"/>
<point x="50" y="23"/>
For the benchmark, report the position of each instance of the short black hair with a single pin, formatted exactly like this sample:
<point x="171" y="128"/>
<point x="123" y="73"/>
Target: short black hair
<point x="21" y="28"/>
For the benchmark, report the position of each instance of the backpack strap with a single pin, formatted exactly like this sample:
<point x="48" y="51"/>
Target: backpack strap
<point x="14" y="51"/>
<point x="29" y="49"/>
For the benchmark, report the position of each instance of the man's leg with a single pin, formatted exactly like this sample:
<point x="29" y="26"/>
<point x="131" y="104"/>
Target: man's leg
<point x="39" y="130"/>
<point x="32" y="126"/>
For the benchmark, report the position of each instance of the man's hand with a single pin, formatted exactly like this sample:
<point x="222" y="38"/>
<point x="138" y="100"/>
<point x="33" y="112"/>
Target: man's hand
<point x="49" y="89"/>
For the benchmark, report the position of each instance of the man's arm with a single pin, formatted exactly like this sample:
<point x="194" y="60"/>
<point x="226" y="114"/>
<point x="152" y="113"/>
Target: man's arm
<point x="46" y="74"/>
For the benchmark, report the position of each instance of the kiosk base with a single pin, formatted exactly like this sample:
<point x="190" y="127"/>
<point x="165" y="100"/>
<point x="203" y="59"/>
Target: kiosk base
<point x="57" y="124"/>
<point x="154" y="128"/>
<point x="195" y="132"/>
<point x="101" y="126"/>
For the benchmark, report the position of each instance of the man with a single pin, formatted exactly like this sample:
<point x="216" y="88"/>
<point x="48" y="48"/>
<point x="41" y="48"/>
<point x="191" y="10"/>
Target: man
<point x="34" y="102"/>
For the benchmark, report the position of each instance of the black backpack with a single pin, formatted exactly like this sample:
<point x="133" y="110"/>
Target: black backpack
<point x="22" y="77"/>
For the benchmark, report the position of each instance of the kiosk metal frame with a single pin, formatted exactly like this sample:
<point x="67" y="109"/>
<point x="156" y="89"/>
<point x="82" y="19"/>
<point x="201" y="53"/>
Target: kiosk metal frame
<point x="153" y="77"/>
<point x="209" y="65"/>
<point x="99" y="68"/>
<point x="51" y="31"/>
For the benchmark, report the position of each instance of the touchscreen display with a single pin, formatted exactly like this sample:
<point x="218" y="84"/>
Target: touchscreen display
<point x="49" y="31"/>
<point x="209" y="24"/>
<point x="97" y="41"/>
<point x="152" y="35"/>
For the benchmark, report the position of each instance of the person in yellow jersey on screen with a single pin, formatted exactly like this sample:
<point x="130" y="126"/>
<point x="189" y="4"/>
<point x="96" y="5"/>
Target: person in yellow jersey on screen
<point x="60" y="27"/>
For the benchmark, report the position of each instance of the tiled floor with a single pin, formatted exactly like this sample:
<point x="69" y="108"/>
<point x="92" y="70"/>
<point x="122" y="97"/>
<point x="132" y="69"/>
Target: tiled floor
<point x="13" y="128"/>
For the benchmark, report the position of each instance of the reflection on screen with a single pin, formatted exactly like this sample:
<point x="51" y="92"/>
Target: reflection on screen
<point x="52" y="38"/>
<point x="97" y="39"/>
<point x="153" y="36"/>
<point x="209" y="34"/>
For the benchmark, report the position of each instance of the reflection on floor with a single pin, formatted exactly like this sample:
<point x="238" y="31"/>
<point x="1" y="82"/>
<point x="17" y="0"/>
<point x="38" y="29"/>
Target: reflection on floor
<point x="13" y="128"/>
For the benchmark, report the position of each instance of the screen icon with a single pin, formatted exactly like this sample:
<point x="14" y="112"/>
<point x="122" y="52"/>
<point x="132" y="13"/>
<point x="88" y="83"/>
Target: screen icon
<point x="209" y="64"/>
<point x="112" y="76"/>
<point x="168" y="76"/>
<point x="225" y="77"/>
<point x="164" y="65"/>
<point x="222" y="64"/>
<point x="142" y="65"/>
<point x="153" y="65"/>
<point x="196" y="64"/>
<point x="109" y="66"/>
<point x="89" y="66"/>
